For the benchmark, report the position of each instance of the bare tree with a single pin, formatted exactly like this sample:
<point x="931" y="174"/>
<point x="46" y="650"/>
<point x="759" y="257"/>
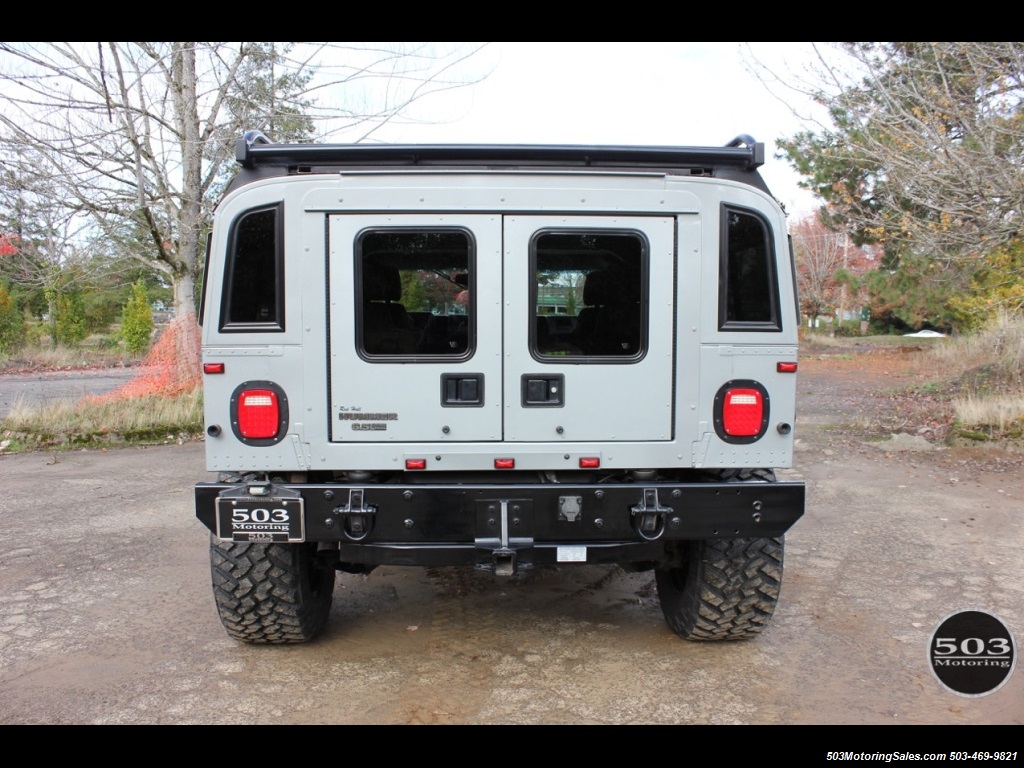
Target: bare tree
<point x="45" y="244"/>
<point x="819" y="255"/>
<point x="138" y="136"/>
<point x="826" y="260"/>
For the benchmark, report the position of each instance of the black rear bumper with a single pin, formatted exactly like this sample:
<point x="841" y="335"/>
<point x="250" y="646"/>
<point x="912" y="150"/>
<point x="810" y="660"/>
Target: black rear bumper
<point x="491" y="525"/>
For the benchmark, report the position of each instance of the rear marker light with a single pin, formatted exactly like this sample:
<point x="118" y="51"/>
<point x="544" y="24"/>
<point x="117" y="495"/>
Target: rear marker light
<point x="590" y="463"/>
<point x="786" y="367"/>
<point x="415" y="463"/>
<point x="213" y="367"/>
<point x="259" y="416"/>
<point x="504" y="463"/>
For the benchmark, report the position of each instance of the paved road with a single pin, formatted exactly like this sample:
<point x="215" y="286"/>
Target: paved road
<point x="52" y="386"/>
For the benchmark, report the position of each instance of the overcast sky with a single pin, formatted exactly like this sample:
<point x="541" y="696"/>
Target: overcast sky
<point x="624" y="93"/>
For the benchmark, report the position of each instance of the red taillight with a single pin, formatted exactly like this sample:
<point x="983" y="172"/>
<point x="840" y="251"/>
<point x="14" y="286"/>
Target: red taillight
<point x="786" y="367"/>
<point x="742" y="412"/>
<point x="590" y="462"/>
<point x="504" y="463"/>
<point x="415" y="463"/>
<point x="213" y="367"/>
<point x="259" y="414"/>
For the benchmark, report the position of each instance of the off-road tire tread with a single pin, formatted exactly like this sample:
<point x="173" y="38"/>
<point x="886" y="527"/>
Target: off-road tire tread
<point x="727" y="590"/>
<point x="270" y="593"/>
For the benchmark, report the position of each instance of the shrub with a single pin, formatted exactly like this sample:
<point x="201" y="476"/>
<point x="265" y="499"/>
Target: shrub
<point x="69" y="326"/>
<point x="137" y="320"/>
<point x="12" y="323"/>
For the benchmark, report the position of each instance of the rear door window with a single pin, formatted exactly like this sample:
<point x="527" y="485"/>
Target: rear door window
<point x="589" y="295"/>
<point x="415" y="293"/>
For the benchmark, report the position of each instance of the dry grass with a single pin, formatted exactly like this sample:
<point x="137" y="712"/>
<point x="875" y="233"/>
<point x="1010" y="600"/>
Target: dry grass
<point x="155" y="419"/>
<point x="987" y="370"/>
<point x="820" y="342"/>
<point x="999" y="347"/>
<point x="1000" y="415"/>
<point x="973" y="383"/>
<point x="49" y="357"/>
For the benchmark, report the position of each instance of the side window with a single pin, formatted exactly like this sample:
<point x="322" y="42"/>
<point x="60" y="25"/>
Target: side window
<point x="206" y="278"/>
<point x="589" y="295"/>
<point x="748" y="292"/>
<point x="253" y="297"/>
<point x="792" y="276"/>
<point x="415" y="293"/>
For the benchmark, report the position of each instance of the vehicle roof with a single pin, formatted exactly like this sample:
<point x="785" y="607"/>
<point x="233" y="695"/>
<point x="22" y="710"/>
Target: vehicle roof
<point x="259" y="158"/>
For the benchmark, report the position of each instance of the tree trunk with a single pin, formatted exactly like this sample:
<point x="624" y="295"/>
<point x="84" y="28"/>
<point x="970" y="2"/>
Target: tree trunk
<point x="184" y="296"/>
<point x="190" y="210"/>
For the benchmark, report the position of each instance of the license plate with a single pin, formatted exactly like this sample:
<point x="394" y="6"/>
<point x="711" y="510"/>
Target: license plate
<point x="572" y="554"/>
<point x="260" y="520"/>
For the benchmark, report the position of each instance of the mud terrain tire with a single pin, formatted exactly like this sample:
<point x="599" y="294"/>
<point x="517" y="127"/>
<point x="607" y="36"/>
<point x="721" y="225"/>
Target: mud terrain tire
<point x="270" y="593"/>
<point x="726" y="589"/>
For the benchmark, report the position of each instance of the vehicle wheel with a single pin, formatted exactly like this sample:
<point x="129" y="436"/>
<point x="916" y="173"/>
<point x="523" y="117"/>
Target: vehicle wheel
<point x="726" y="589"/>
<point x="270" y="593"/>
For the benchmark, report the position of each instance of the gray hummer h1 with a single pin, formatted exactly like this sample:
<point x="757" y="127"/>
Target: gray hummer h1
<point x="502" y="357"/>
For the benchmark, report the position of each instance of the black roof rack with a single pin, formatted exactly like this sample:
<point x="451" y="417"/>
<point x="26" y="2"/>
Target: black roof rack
<point x="254" y="150"/>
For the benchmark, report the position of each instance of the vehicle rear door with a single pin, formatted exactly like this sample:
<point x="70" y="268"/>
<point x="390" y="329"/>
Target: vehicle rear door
<point x="415" y="308"/>
<point x="589" y="325"/>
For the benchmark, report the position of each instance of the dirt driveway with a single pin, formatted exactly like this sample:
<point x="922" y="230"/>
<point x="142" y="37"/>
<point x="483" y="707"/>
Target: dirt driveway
<point x="107" y="617"/>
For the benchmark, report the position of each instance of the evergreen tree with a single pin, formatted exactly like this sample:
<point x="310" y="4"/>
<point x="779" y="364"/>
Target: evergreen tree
<point x="68" y="322"/>
<point x="924" y="156"/>
<point x="137" y="320"/>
